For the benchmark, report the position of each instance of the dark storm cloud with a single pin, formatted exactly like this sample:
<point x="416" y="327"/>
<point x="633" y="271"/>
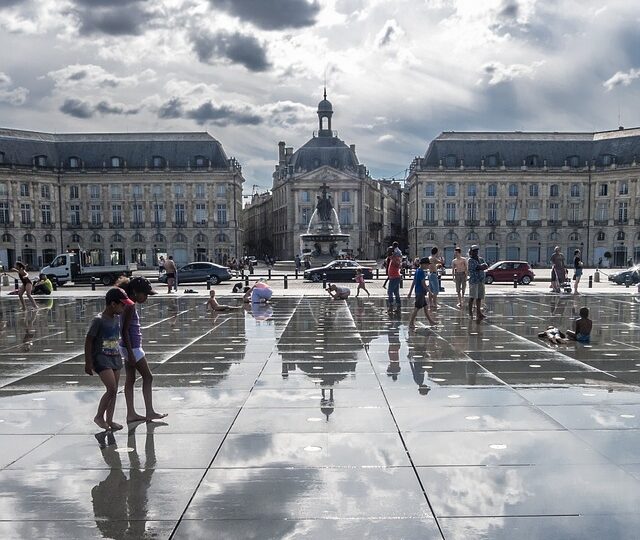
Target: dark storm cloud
<point x="237" y="48"/>
<point x="83" y="109"/>
<point x="111" y="17"/>
<point x="9" y="3"/>
<point x="78" y="75"/>
<point x="208" y="113"/>
<point x="272" y="14"/>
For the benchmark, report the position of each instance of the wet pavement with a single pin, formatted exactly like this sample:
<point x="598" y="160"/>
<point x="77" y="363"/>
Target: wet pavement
<point x="314" y="418"/>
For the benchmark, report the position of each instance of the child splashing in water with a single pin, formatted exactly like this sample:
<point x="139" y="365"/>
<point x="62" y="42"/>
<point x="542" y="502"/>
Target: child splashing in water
<point x="138" y="289"/>
<point x="361" y="283"/>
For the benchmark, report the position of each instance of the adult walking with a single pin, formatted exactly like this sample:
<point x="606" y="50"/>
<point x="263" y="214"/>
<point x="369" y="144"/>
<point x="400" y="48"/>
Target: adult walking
<point x="476" y="268"/>
<point x="393" y="288"/>
<point x="577" y="270"/>
<point x="459" y="267"/>
<point x="558" y="269"/>
<point x="171" y="270"/>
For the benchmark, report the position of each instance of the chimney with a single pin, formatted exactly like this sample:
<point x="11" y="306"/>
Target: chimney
<point x="353" y="148"/>
<point x="281" y="145"/>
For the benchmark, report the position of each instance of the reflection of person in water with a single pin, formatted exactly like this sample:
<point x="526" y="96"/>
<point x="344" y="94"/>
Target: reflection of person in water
<point x="393" y="350"/>
<point x="419" y="342"/>
<point x="120" y="505"/>
<point x="29" y="330"/>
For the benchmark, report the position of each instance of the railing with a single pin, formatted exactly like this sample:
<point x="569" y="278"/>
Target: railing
<point x="138" y="224"/>
<point x="534" y="223"/>
<point x="430" y="222"/>
<point x="118" y="225"/>
<point x="27" y="224"/>
<point x="451" y="222"/>
<point x="471" y="222"/>
<point x="576" y="223"/>
<point x="179" y="224"/>
<point x="96" y="225"/>
<point x="74" y="225"/>
<point x="201" y="224"/>
<point x="601" y="222"/>
<point x="48" y="225"/>
<point x="622" y="222"/>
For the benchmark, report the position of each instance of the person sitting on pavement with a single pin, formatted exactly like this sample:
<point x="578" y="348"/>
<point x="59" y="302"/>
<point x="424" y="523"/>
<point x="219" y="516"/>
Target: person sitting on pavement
<point x="43" y="285"/>
<point x="581" y="327"/>
<point x="338" y="293"/>
<point x="260" y="292"/>
<point x="553" y="335"/>
<point x="214" y="305"/>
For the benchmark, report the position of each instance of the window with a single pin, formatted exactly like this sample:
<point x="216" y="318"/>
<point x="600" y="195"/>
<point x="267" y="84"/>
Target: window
<point x="513" y="190"/>
<point x="45" y="210"/>
<point x="157" y="190"/>
<point x="473" y="237"/>
<point x="25" y="213"/>
<point x="429" y="236"/>
<point x="532" y="161"/>
<point x="49" y="239"/>
<point x="179" y="213"/>
<point x="4" y="191"/>
<point x="138" y="213"/>
<point x="623" y="212"/>
<point x="117" y="238"/>
<point x="304" y="196"/>
<point x="574" y="161"/>
<point x="159" y="215"/>
<point x="472" y="190"/>
<point x="201" y="238"/>
<point x="200" y="191"/>
<point x="620" y="235"/>
<point x="222" y="238"/>
<point x="4" y="212"/>
<point x="533" y="212"/>
<point x="450" y="212"/>
<point x="554" y="211"/>
<point x="574" y="212"/>
<point x="40" y="161"/>
<point x="137" y="191"/>
<point x="513" y="213"/>
<point x="139" y="239"/>
<point x="116" y="214"/>
<point x="493" y="190"/>
<point x="575" y="190"/>
<point x="533" y="190"/>
<point x="201" y="213"/>
<point x="74" y="214"/>
<point x="74" y="192"/>
<point x="24" y="190"/>
<point x="178" y="191"/>
<point x="603" y="190"/>
<point x="492" y="212"/>
<point x="451" y="190"/>
<point x="623" y="188"/>
<point x="600" y="236"/>
<point x="158" y="162"/>
<point x="74" y="163"/>
<point x="221" y="213"/>
<point x="472" y="211"/>
<point x="200" y="161"/>
<point x="116" y="162"/>
<point x="554" y="191"/>
<point x="221" y="190"/>
<point x="492" y="161"/>
<point x="305" y="215"/>
<point x="430" y="212"/>
<point x="574" y="237"/>
<point x="116" y="192"/>
<point x="607" y="159"/>
<point x="534" y="237"/>
<point x="450" y="161"/>
<point x="96" y="214"/>
<point x="94" y="192"/>
<point x="346" y="196"/>
<point x="429" y="190"/>
<point x="345" y="215"/>
<point x="45" y="191"/>
<point x="491" y="237"/>
<point x="602" y="211"/>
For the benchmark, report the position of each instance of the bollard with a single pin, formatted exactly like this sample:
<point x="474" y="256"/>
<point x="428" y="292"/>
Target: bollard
<point x="296" y="273"/>
<point x="251" y="269"/>
<point x="591" y="282"/>
<point x="209" y="284"/>
<point x="324" y="280"/>
<point x="401" y="283"/>
<point x="269" y="272"/>
<point x="246" y="281"/>
<point x="15" y="284"/>
<point x="627" y="282"/>
<point x="515" y="281"/>
<point x="93" y="283"/>
<point x="286" y="281"/>
<point x="242" y="272"/>
<point x="377" y="273"/>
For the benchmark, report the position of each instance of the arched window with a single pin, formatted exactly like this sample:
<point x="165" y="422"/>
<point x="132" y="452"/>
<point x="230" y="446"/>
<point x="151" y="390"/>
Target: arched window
<point x="473" y="237"/>
<point x="451" y="237"/>
<point x="429" y="190"/>
<point x="76" y="238"/>
<point x="222" y="238"/>
<point x="491" y="237"/>
<point x="29" y="238"/>
<point x="554" y="237"/>
<point x="139" y="239"/>
<point x="74" y="162"/>
<point x="429" y="237"/>
<point x="117" y="237"/>
<point x="620" y="235"/>
<point x="180" y="238"/>
<point x="492" y="191"/>
<point x="6" y="237"/>
<point x="48" y="238"/>
<point x="513" y="237"/>
<point x="554" y="190"/>
<point x="575" y="190"/>
<point x="472" y="190"/>
<point x="159" y="237"/>
<point x="96" y="238"/>
<point x="600" y="237"/>
<point x="534" y="237"/>
<point x="513" y="190"/>
<point x="451" y="190"/>
<point x="574" y="237"/>
<point x="201" y="238"/>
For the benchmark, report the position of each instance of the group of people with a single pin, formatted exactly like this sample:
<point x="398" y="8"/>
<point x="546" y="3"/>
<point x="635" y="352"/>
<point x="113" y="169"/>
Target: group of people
<point x="560" y="273"/>
<point x="42" y="285"/>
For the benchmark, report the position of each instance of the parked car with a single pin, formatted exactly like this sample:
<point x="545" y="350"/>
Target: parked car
<point x="200" y="272"/>
<point x="630" y="274"/>
<point x="505" y="271"/>
<point x="341" y="270"/>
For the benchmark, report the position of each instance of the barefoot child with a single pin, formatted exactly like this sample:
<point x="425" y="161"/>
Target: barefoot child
<point x="101" y="354"/>
<point x="214" y="305"/>
<point x="27" y="285"/>
<point x="361" y="283"/>
<point x="138" y="289"/>
<point x="421" y="288"/>
<point x="581" y="327"/>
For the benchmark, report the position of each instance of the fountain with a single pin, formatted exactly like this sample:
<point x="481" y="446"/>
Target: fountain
<point x="324" y="238"/>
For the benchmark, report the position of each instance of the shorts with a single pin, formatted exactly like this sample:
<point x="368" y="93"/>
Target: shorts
<point x="421" y="301"/>
<point x="434" y="283"/>
<point x="102" y="362"/>
<point x="138" y="353"/>
<point x="171" y="275"/>
<point x="583" y="338"/>
<point x="476" y="291"/>
<point x="461" y="282"/>
<point x="578" y="272"/>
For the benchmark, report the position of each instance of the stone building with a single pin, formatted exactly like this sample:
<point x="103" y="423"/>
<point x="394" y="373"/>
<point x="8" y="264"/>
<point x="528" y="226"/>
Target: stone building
<point x="257" y="216"/>
<point x="518" y="195"/>
<point x="299" y="178"/>
<point x="121" y="197"/>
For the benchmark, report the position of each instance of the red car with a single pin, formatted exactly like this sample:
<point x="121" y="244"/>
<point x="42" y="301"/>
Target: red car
<point x="506" y="270"/>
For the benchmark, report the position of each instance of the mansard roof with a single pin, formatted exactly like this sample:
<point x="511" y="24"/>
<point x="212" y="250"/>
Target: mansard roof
<point x="324" y="151"/>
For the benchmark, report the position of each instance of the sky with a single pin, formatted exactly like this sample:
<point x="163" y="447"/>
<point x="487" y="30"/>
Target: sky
<point x="251" y="72"/>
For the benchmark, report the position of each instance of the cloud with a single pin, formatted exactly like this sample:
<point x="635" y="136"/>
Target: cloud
<point x="13" y="95"/>
<point x="497" y="72"/>
<point x="272" y="14"/>
<point x="83" y="109"/>
<point x="621" y="78"/>
<point x="8" y="3"/>
<point x="235" y="47"/>
<point x="208" y="113"/>
<point x="389" y="33"/>
<point x="111" y="17"/>
<point x="91" y="76"/>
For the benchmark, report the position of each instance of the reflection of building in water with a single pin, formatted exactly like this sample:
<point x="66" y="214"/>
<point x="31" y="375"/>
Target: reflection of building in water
<point x="326" y="362"/>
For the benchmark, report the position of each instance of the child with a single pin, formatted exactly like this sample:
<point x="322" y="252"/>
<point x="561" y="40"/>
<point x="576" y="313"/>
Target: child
<point x="421" y="288"/>
<point x="26" y="286"/>
<point x="581" y="327"/>
<point x="213" y="304"/>
<point x="138" y="289"/>
<point x="361" y="283"/>
<point x="259" y="293"/>
<point x="553" y="335"/>
<point x="386" y="263"/>
<point x="338" y="293"/>
<point x="101" y="354"/>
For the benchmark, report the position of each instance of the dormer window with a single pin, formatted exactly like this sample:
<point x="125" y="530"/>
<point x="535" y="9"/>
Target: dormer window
<point x="574" y="161"/>
<point x="607" y="159"/>
<point x="40" y="161"/>
<point x="158" y="162"/>
<point x="532" y="161"/>
<point x="492" y="161"/>
<point x="74" y="163"/>
<point x="116" y="162"/>
<point x="200" y="161"/>
<point x="450" y="161"/>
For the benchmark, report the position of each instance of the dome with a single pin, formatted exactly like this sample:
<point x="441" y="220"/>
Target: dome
<point x="321" y="151"/>
<point x="325" y="106"/>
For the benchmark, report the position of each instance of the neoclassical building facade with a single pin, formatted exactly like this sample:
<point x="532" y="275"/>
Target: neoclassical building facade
<point x="120" y="197"/>
<point x="518" y="195"/>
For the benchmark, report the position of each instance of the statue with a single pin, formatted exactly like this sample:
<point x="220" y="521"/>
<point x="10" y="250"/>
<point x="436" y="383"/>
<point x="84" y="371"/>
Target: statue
<point x="324" y="206"/>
